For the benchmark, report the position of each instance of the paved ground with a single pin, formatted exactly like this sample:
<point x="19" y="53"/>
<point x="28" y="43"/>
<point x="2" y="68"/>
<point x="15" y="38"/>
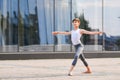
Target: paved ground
<point x="56" y="69"/>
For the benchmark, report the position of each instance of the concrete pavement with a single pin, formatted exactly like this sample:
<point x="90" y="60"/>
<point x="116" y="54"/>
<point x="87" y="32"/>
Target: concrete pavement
<point x="57" y="69"/>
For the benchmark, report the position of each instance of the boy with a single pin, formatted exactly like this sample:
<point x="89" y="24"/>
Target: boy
<point x="75" y="38"/>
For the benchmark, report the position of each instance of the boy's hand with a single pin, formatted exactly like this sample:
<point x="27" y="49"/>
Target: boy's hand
<point x="54" y="33"/>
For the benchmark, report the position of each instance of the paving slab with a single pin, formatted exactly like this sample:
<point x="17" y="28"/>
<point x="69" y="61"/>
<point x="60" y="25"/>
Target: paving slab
<point x="57" y="69"/>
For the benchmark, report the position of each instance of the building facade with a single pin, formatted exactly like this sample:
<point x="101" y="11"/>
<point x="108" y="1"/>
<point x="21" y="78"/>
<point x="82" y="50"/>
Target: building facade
<point x="26" y="25"/>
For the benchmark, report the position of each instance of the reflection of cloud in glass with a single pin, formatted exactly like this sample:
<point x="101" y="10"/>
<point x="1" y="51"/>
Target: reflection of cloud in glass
<point x="89" y="4"/>
<point x="64" y="4"/>
<point x="47" y="3"/>
<point x="108" y="3"/>
<point x="92" y="12"/>
<point x="111" y="13"/>
<point x="112" y="3"/>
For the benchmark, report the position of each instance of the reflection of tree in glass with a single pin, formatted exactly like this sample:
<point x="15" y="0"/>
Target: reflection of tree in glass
<point x="84" y="25"/>
<point x="7" y="30"/>
<point x="55" y="40"/>
<point x="34" y="33"/>
<point x="2" y="18"/>
<point x="15" y="28"/>
<point x="21" y="30"/>
<point x="26" y="30"/>
<point x="2" y="26"/>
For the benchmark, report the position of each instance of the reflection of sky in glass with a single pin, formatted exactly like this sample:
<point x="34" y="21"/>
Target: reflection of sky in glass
<point x="1" y="1"/>
<point x="5" y="8"/>
<point x="93" y="13"/>
<point x="46" y="17"/>
<point x="32" y="4"/>
<point x="24" y="8"/>
<point x="111" y="14"/>
<point x="14" y="4"/>
<point x="62" y="17"/>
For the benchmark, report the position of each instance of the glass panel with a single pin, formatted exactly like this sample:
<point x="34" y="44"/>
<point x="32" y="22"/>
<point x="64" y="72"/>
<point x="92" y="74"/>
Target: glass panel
<point x="90" y="14"/>
<point x="62" y="23"/>
<point x="23" y="24"/>
<point x="45" y="18"/>
<point x="111" y="25"/>
<point x="8" y="26"/>
<point x="31" y="26"/>
<point x="28" y="26"/>
<point x="46" y="24"/>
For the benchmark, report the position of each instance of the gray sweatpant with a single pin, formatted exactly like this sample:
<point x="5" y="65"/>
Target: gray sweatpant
<point x="79" y="54"/>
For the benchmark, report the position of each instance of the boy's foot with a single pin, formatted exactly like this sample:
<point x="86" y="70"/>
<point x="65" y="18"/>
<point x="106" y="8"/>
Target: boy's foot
<point x="87" y="72"/>
<point x="69" y="74"/>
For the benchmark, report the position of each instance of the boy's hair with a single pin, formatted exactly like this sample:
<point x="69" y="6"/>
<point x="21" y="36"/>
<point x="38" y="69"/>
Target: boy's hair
<point x="76" y="19"/>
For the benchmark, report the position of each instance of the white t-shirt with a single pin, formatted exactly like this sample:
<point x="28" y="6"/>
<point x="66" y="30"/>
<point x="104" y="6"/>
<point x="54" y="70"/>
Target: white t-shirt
<point x="75" y="37"/>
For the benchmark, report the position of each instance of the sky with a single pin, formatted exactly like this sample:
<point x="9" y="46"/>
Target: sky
<point x="93" y="13"/>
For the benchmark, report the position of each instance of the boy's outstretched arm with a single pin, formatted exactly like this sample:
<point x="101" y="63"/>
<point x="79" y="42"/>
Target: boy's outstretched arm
<point x="58" y="32"/>
<point x="90" y="32"/>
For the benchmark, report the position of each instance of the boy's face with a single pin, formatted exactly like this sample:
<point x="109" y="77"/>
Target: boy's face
<point x="76" y="24"/>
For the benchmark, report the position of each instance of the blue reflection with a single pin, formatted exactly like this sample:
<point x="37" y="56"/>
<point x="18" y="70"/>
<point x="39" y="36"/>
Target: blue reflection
<point x="2" y="19"/>
<point x="24" y="8"/>
<point x="62" y="18"/>
<point x="39" y="13"/>
<point x="32" y="5"/>
<point x="45" y="19"/>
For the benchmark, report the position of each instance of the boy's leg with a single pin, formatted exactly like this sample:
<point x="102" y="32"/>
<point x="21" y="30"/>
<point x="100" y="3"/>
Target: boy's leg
<point x="73" y="65"/>
<point x="70" y="71"/>
<point x="74" y="61"/>
<point x="85" y="63"/>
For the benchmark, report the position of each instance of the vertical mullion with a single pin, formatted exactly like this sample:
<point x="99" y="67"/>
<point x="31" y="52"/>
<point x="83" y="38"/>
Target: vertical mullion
<point x="18" y="25"/>
<point x="54" y="23"/>
<point x="70" y="21"/>
<point x="103" y="40"/>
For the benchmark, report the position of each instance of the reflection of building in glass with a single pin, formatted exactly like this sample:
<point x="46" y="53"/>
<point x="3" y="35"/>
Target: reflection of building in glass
<point x="28" y="24"/>
<point x="111" y="43"/>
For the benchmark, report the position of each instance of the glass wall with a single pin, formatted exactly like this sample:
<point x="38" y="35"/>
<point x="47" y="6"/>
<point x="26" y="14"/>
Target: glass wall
<point x="8" y="25"/>
<point x="28" y="34"/>
<point x="62" y="23"/>
<point x="111" y="25"/>
<point x="45" y="11"/>
<point x="90" y="14"/>
<point x="26" y="25"/>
